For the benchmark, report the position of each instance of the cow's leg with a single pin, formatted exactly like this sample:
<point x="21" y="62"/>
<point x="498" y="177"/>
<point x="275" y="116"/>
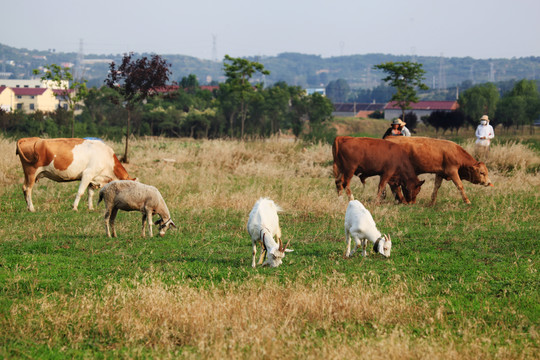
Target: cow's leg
<point x="85" y="182"/>
<point x="457" y="181"/>
<point x="382" y="184"/>
<point x="398" y="195"/>
<point x="90" y="197"/>
<point x="347" y="177"/>
<point x="114" y="212"/>
<point x="438" y="182"/>
<point x="339" y="179"/>
<point x="29" y="182"/>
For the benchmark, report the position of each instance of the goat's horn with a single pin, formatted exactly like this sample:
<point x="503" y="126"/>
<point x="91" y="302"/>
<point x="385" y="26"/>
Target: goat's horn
<point x="286" y="245"/>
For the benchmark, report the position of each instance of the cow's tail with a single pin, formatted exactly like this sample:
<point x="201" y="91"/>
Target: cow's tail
<point x="21" y="151"/>
<point x="337" y="164"/>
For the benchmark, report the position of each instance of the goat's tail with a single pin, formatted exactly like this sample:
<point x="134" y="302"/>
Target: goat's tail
<point x="100" y="197"/>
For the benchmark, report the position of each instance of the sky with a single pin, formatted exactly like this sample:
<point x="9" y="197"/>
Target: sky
<point x="209" y="29"/>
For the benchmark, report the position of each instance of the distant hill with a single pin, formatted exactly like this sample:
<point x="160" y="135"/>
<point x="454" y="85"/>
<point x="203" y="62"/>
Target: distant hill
<point x="293" y="68"/>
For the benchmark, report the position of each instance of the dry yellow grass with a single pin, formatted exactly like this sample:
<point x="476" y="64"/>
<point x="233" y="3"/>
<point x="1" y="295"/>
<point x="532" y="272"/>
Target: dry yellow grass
<point x="254" y="321"/>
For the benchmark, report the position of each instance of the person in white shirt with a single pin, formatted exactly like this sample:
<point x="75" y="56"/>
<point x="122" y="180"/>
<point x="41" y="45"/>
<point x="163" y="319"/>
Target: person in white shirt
<point x="403" y="128"/>
<point x="484" y="134"/>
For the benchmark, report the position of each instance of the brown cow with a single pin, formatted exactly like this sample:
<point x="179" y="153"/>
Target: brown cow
<point x="91" y="161"/>
<point x="370" y="157"/>
<point x="444" y="158"/>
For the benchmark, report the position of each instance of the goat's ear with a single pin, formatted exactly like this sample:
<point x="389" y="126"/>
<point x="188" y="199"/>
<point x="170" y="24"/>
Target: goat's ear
<point x="172" y="225"/>
<point x="289" y="250"/>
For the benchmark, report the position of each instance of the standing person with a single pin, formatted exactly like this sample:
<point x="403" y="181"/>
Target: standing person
<point x="484" y="134"/>
<point x="393" y="130"/>
<point x="403" y="128"/>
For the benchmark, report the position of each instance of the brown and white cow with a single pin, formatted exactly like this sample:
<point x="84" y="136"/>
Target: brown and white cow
<point x="367" y="157"/>
<point x="444" y="158"/>
<point x="90" y="161"/>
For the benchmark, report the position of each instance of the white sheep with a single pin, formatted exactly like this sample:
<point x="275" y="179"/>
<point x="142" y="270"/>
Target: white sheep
<point x="262" y="226"/>
<point x="360" y="225"/>
<point x="131" y="195"/>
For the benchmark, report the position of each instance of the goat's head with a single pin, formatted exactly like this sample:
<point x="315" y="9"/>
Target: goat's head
<point x="164" y="225"/>
<point x="274" y="259"/>
<point x="383" y="245"/>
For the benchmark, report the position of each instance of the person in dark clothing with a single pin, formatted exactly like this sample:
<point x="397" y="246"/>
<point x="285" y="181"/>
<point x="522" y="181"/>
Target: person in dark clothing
<point x="394" y="129"/>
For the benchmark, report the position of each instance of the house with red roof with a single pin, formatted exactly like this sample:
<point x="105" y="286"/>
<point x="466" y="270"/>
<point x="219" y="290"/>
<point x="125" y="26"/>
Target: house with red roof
<point x="34" y="99"/>
<point x="420" y="109"/>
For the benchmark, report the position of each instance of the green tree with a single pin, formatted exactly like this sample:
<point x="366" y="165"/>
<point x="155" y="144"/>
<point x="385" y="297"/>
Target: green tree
<point x="135" y="80"/>
<point x="479" y="100"/>
<point x="68" y="90"/>
<point x="338" y="90"/>
<point x="521" y="105"/>
<point x="239" y="73"/>
<point x="406" y="77"/>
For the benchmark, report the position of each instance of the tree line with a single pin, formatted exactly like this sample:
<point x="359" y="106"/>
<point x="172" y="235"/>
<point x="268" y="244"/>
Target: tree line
<point x="137" y="90"/>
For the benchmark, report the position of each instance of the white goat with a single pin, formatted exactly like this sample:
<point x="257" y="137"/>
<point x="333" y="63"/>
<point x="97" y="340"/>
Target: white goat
<point x="360" y="225"/>
<point x="131" y="195"/>
<point x="262" y="226"/>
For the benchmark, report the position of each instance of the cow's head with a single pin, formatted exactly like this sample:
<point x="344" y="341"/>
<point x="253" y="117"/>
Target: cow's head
<point x="477" y="174"/>
<point x="411" y="190"/>
<point x="164" y="226"/>
<point x="383" y="245"/>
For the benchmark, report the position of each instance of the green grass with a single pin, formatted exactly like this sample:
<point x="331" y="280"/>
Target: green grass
<point x="472" y="267"/>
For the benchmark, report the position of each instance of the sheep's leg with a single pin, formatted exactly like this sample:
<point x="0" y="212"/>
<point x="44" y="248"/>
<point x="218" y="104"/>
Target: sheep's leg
<point x="438" y="182"/>
<point x="114" y="212"/>
<point x="149" y="219"/>
<point x="107" y="219"/>
<point x="144" y="221"/>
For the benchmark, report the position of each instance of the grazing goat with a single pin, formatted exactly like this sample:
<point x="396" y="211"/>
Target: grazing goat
<point x="360" y="225"/>
<point x="130" y="195"/>
<point x="262" y="226"/>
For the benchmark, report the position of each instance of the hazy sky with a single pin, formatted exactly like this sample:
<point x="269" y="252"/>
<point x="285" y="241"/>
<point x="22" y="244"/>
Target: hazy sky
<point x="478" y="28"/>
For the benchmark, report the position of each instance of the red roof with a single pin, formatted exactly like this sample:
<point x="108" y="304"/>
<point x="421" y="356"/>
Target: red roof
<point x="425" y="105"/>
<point x="28" y="91"/>
<point x="62" y="92"/>
<point x="2" y="88"/>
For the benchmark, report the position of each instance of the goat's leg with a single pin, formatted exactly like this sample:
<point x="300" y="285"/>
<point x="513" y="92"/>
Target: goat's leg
<point x="364" y="244"/>
<point x="347" y="243"/>
<point x="254" y="253"/>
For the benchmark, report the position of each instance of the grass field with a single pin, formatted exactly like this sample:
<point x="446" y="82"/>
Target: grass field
<point x="462" y="281"/>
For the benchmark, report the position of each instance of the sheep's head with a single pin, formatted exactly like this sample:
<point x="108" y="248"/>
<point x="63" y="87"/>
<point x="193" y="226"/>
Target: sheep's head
<point x="164" y="226"/>
<point x="384" y="246"/>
